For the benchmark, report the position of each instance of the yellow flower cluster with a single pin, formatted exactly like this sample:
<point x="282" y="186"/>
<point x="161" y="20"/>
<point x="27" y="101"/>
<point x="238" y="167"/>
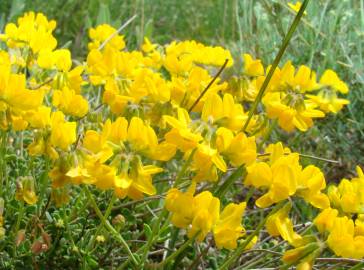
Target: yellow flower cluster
<point x="293" y="96"/>
<point x="283" y="177"/>
<point x="203" y="216"/>
<point x="344" y="220"/>
<point x="341" y="224"/>
<point x="112" y="159"/>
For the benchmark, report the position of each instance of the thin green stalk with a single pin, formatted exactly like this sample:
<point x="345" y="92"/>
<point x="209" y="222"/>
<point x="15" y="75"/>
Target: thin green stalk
<point x="276" y="61"/>
<point x="233" y="257"/>
<point x="209" y="85"/>
<point x="184" y="168"/>
<point x="164" y="213"/>
<point x="173" y="240"/>
<point x="307" y="156"/>
<point x="177" y="252"/>
<point x="267" y="134"/>
<point x="249" y="194"/>
<point x="358" y="266"/>
<point x="68" y="231"/>
<point x="221" y="190"/>
<point x="3" y="160"/>
<point x="106" y="215"/>
<point x="43" y="185"/>
<point x="17" y="225"/>
<point x="110" y="228"/>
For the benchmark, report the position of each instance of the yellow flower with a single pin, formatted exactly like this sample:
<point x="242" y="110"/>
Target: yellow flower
<point x="176" y="202"/>
<point x="205" y="162"/>
<point x="61" y="59"/>
<point x="298" y="114"/>
<point x="281" y="178"/>
<point x="311" y="182"/>
<point x="252" y="67"/>
<point x="18" y="123"/>
<point x="147" y="46"/>
<point x="325" y="220"/>
<point x="303" y="255"/>
<point x="63" y="133"/>
<point x="238" y="149"/>
<point x="303" y="80"/>
<point x="224" y="112"/>
<point x="347" y="196"/>
<point x="33" y="30"/>
<point x="330" y="79"/>
<point x="186" y="89"/>
<point x="105" y="32"/>
<point x="343" y="241"/>
<point x="141" y="137"/>
<point x="141" y="179"/>
<point x="13" y="90"/>
<point x="296" y="7"/>
<point x="181" y="134"/>
<point x="181" y="55"/>
<point x="228" y="229"/>
<point x="69" y="102"/>
<point x="203" y="212"/>
<point x="26" y="191"/>
<point x="279" y="224"/>
<point x="97" y="144"/>
<point x="40" y="118"/>
<point x="328" y="101"/>
<point x="206" y="212"/>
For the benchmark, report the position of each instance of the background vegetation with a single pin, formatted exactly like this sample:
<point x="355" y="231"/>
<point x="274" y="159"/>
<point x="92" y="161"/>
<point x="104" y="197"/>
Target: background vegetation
<point x="331" y="36"/>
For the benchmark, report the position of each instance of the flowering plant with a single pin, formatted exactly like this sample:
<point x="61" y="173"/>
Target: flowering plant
<point x="161" y="128"/>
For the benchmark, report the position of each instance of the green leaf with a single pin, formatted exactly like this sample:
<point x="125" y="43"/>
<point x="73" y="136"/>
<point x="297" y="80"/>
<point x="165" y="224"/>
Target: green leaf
<point x="104" y="14"/>
<point x="91" y="261"/>
<point x="147" y="230"/>
<point x="17" y="8"/>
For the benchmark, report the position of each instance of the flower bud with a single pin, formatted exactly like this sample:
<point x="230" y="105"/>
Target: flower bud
<point x="119" y="221"/>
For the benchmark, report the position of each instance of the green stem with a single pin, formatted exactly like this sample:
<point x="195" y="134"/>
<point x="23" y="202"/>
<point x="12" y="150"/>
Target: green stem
<point x="276" y="61"/>
<point x="106" y="216"/>
<point x="358" y="266"/>
<point x="267" y="135"/>
<point x="110" y="228"/>
<point x="173" y="240"/>
<point x="221" y="190"/>
<point x="17" y="225"/>
<point x="3" y="160"/>
<point x="233" y="257"/>
<point x="43" y="185"/>
<point x="184" y="168"/>
<point x="69" y="232"/>
<point x="164" y="213"/>
<point x="177" y="252"/>
<point x="209" y="85"/>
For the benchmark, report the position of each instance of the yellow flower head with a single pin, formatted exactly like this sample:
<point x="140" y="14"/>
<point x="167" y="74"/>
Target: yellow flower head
<point x="330" y="79"/>
<point x="103" y="33"/>
<point x="33" y="30"/>
<point x="26" y="190"/>
<point x="63" y="133"/>
<point x="296" y="7"/>
<point x="252" y="67"/>
<point x="69" y="102"/>
<point x="279" y="224"/>
<point x="283" y="176"/>
<point x="228" y="229"/>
